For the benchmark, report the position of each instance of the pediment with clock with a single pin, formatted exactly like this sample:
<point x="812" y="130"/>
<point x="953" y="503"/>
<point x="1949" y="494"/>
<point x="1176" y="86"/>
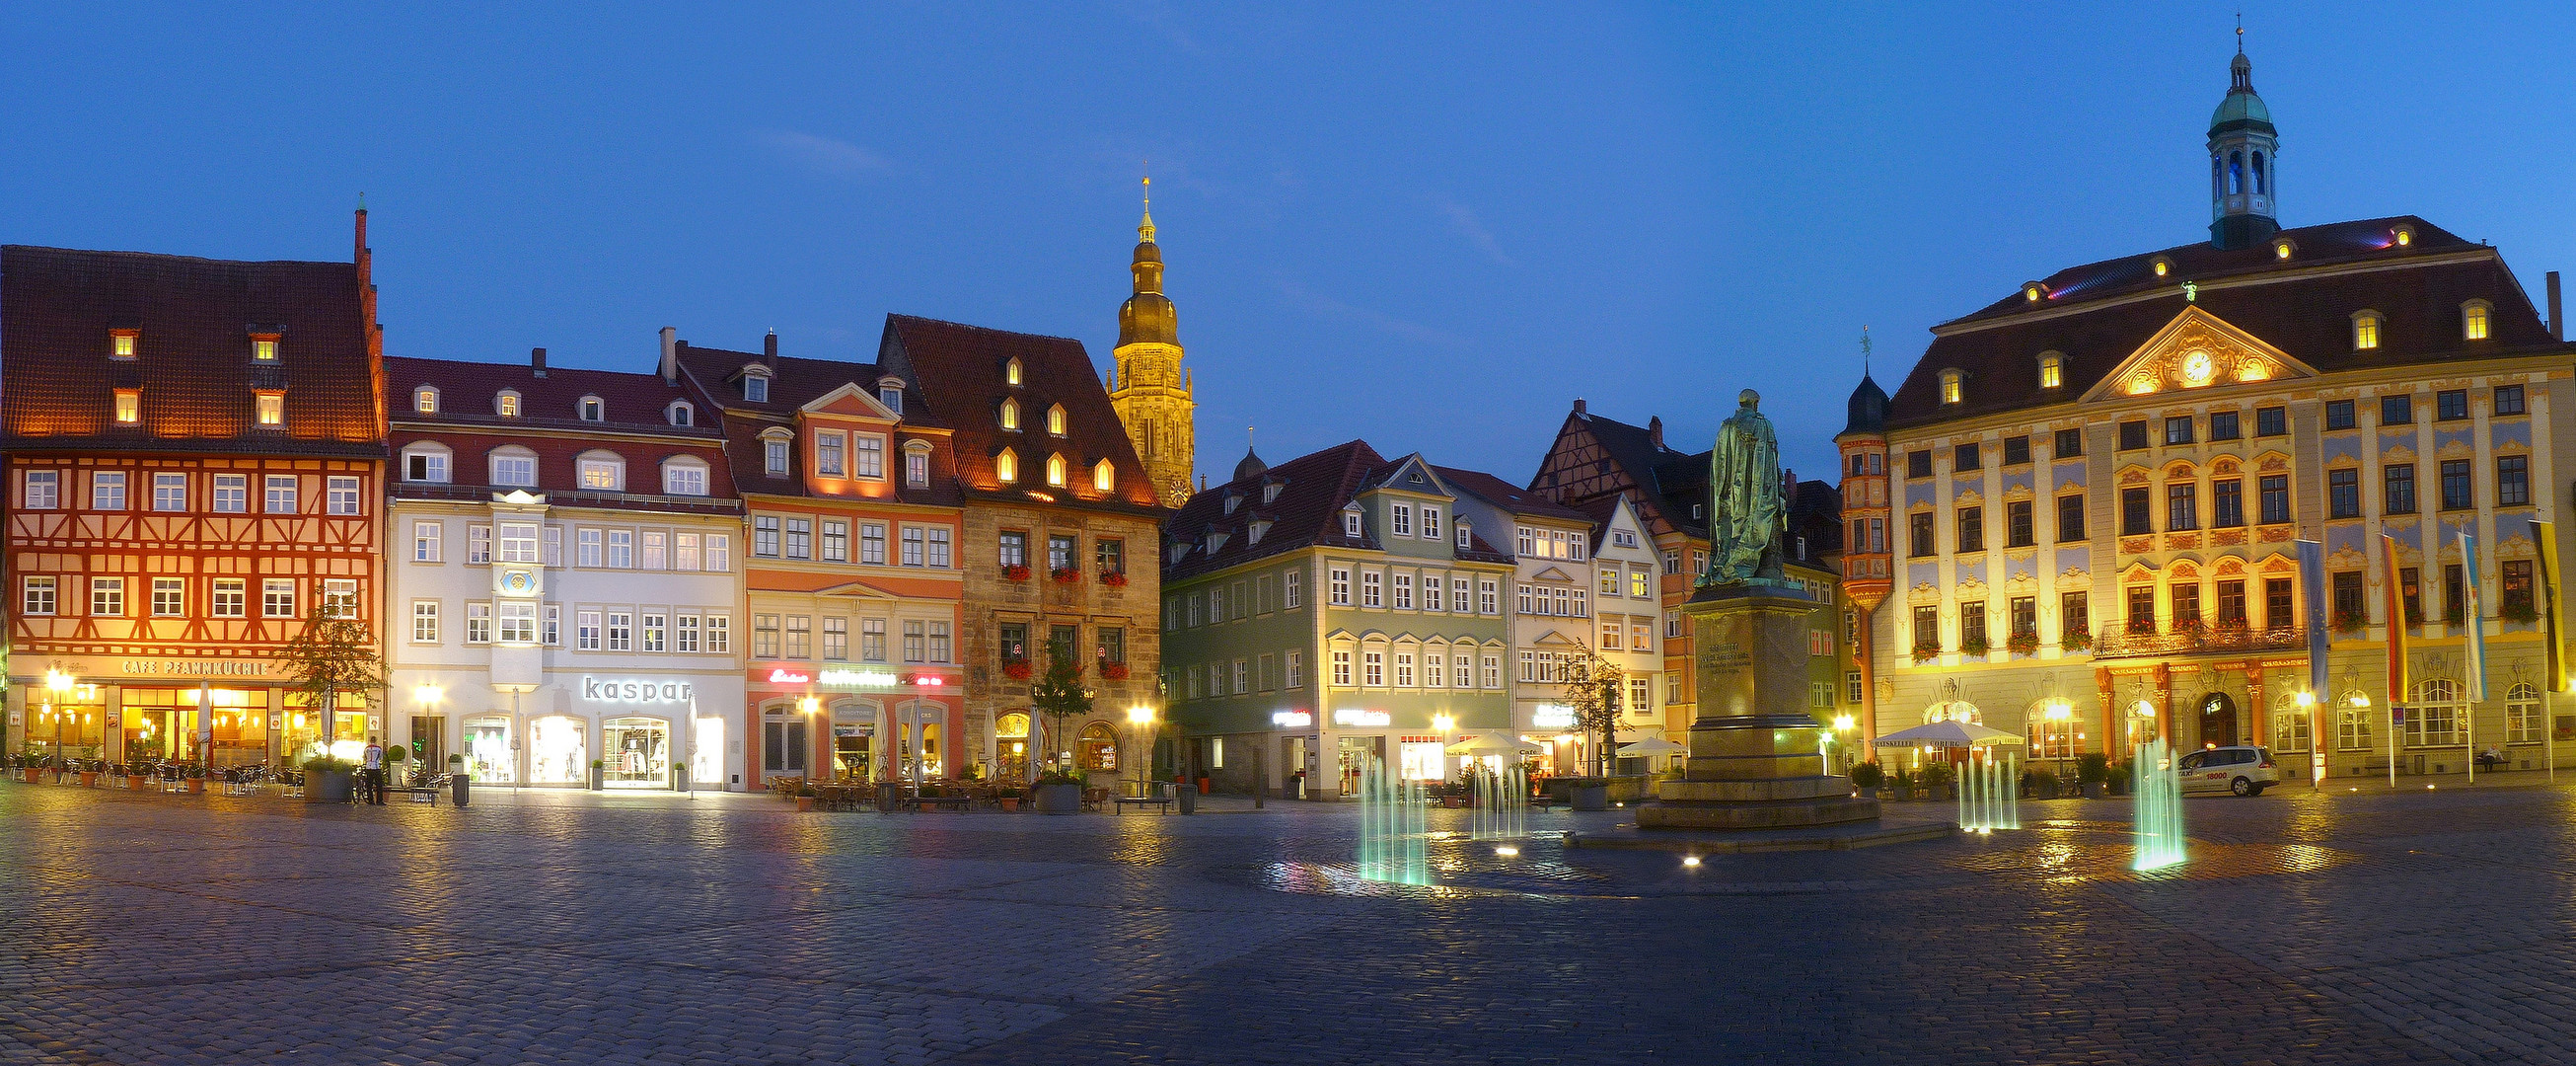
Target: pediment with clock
<point x="2197" y="350"/>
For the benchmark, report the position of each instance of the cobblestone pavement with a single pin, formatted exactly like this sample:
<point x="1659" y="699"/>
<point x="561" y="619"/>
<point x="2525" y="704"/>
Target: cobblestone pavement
<point x="2342" y="928"/>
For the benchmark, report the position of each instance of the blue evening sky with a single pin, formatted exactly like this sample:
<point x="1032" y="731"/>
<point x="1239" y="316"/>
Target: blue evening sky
<point x="1432" y="227"/>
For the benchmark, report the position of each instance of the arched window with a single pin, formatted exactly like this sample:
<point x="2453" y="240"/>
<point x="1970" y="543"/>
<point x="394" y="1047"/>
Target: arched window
<point x="1098" y="747"/>
<point x="506" y="404"/>
<point x="1006" y="467"/>
<point x="2235" y="173"/>
<point x="1010" y="414"/>
<point x="1055" y="470"/>
<point x="425" y="462"/>
<point x="2434" y="714"/>
<point x="2052" y="370"/>
<point x="916" y="465"/>
<point x="425" y="400"/>
<point x="1055" y="420"/>
<point x="1950" y="386"/>
<point x="2522" y="714"/>
<point x="1104" y="477"/>
<point x="681" y="414"/>
<point x="1011" y="371"/>
<point x="2259" y="187"/>
<point x="2365" y="330"/>
<point x="684" y="475"/>
<point x="602" y="471"/>
<point x="2473" y="320"/>
<point x="593" y="409"/>
<point x="514" y="465"/>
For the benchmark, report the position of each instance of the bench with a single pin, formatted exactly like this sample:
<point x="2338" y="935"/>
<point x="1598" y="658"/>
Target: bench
<point x="1165" y="802"/>
<point x="954" y="803"/>
<point x="416" y="794"/>
<point x="1545" y="800"/>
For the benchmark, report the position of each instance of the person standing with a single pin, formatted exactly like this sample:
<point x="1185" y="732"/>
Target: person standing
<point x="371" y="775"/>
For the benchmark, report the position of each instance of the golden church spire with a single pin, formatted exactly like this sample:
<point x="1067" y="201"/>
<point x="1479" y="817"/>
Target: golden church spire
<point x="1150" y="391"/>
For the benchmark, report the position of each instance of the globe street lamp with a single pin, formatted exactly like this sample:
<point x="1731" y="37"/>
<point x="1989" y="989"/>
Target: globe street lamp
<point x="2060" y="717"/>
<point x="60" y="684"/>
<point x="1442" y="723"/>
<point x="1142" y="717"/>
<point x="1843" y="725"/>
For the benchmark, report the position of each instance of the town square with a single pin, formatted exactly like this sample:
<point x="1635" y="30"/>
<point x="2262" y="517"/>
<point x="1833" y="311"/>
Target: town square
<point x="1664" y="534"/>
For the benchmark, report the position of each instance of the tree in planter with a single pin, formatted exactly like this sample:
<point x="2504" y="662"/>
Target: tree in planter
<point x="1591" y="687"/>
<point x="1059" y="694"/>
<point x="331" y="656"/>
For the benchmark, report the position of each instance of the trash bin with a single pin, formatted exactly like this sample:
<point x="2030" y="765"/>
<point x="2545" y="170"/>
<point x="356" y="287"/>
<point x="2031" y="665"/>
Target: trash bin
<point x="463" y="788"/>
<point x="1189" y="799"/>
<point x="889" y="795"/>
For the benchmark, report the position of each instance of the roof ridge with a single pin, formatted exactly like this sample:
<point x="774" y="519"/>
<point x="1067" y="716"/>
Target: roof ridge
<point x="980" y="329"/>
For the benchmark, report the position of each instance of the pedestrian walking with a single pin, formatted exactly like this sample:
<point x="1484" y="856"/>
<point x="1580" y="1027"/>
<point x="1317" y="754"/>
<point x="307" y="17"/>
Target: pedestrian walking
<point x="371" y="774"/>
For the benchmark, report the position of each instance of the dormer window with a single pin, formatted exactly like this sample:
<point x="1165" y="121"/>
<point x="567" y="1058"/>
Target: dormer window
<point x="681" y="414"/>
<point x="1231" y="502"/>
<point x="1104" y="477"/>
<point x="425" y="400"/>
<point x="773" y="452"/>
<point x="2032" y="291"/>
<point x="2052" y="370"/>
<point x="1215" y="542"/>
<point x="1270" y="493"/>
<point x="1010" y="414"/>
<point x="2473" y="320"/>
<point x="2281" y="248"/>
<point x="2164" y="266"/>
<point x="263" y="347"/>
<point x="755" y="388"/>
<point x="507" y="404"/>
<point x="1351" y="523"/>
<point x="2403" y="235"/>
<point x="1259" y="527"/>
<point x="1055" y="470"/>
<point x="121" y="343"/>
<point x="916" y="465"/>
<point x="1465" y="538"/>
<point x="2365" y="330"/>
<point x="270" y="408"/>
<point x="1950" y="386"/>
<point x="1006" y="467"/>
<point x="1055" y="420"/>
<point x="593" y="409"/>
<point x="129" y="406"/>
<point x="892" y="397"/>
<point x="1011" y="372"/>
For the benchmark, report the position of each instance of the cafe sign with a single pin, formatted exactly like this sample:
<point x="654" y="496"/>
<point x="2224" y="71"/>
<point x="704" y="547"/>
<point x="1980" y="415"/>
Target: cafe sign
<point x="193" y="668"/>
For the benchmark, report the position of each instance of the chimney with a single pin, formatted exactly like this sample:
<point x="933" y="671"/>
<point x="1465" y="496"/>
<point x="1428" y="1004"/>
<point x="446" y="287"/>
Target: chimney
<point x="537" y="361"/>
<point x="1655" y="431"/>
<point x="670" y="368"/>
<point x="2557" y="324"/>
<point x="769" y="346"/>
<point x="1578" y="405"/>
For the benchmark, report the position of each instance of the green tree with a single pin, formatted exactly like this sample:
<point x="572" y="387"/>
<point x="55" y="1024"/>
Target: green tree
<point x="1591" y="687"/>
<point x="331" y="656"/>
<point x="1059" y="694"/>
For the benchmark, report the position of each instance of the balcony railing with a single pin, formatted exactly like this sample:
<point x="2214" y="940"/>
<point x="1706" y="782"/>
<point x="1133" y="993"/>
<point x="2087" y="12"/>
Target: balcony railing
<point x="425" y="490"/>
<point x="2120" y="645"/>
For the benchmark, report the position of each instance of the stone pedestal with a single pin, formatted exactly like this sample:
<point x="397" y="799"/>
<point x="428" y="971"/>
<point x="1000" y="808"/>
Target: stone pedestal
<point x="1756" y="758"/>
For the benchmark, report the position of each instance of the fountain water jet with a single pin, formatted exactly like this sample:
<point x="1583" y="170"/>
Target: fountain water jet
<point x="1391" y="827"/>
<point x="1501" y="805"/>
<point x="1990" y="794"/>
<point x="2159" y="807"/>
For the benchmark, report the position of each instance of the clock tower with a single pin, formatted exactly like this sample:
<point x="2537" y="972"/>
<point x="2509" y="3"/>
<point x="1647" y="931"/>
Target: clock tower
<point x="1148" y="388"/>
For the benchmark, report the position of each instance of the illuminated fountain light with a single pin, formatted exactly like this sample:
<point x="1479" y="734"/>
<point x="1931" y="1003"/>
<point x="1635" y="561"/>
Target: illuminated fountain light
<point x="1990" y="795"/>
<point x="2158" y="831"/>
<point x="1392" y="832"/>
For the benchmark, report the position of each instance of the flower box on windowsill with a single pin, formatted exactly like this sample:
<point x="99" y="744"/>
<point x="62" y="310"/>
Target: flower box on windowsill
<point x="1926" y="653"/>
<point x="1065" y="575"/>
<point x="1116" y="579"/>
<point x="1016" y="573"/>
<point x="1113" y="671"/>
<point x="1017" y="670"/>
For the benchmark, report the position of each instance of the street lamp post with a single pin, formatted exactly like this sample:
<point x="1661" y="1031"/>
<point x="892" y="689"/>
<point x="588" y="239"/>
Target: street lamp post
<point x="1843" y="725"/>
<point x="1142" y="717"/>
<point x="2061" y="718"/>
<point x="1442" y="723"/>
<point x="60" y="684"/>
<point x="2306" y="702"/>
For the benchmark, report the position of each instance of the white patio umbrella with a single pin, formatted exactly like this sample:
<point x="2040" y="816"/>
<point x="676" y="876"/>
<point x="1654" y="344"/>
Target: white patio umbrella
<point x="1492" y="744"/>
<point x="1947" y="735"/>
<point x="1652" y="746"/>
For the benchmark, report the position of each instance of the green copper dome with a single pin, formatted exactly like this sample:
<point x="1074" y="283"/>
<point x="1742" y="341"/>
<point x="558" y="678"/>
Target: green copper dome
<point x="2241" y="105"/>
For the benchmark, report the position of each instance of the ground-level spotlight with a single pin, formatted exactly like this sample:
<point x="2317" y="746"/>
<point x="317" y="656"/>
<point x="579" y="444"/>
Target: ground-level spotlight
<point x="1507" y="851"/>
<point x="1690" y="860"/>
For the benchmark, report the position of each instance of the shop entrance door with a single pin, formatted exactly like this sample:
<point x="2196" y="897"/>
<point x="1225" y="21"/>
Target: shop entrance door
<point x="429" y="741"/>
<point x="1355" y="753"/>
<point x="782" y="745"/>
<point x="2218" y="719"/>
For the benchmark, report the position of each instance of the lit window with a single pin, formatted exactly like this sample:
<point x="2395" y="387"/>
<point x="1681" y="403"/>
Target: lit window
<point x="2405" y="236"/>
<point x="1010" y="414"/>
<point x="272" y="408"/>
<point x="508" y="405"/>
<point x="1055" y="420"/>
<point x="600" y="474"/>
<point x="2365" y="331"/>
<point x="1006" y="467"/>
<point x="121" y="343"/>
<point x="2052" y="370"/>
<point x="1103" y="476"/>
<point x="2163" y="268"/>
<point x="2473" y="318"/>
<point x="425" y="400"/>
<point x="264" y="349"/>
<point x="1949" y="386"/>
<point x="1055" y="470"/>
<point x="2280" y="249"/>
<point x="1011" y="371"/>
<point x="129" y="406"/>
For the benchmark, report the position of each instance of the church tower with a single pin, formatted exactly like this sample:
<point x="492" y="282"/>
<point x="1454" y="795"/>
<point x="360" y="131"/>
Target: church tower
<point x="1148" y="388"/>
<point x="2244" y="155"/>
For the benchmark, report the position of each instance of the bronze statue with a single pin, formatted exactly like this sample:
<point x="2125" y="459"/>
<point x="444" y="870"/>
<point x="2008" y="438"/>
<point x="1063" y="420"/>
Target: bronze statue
<point x="1747" y="513"/>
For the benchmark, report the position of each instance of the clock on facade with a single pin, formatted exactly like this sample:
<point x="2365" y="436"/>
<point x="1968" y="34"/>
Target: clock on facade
<point x="2198" y="368"/>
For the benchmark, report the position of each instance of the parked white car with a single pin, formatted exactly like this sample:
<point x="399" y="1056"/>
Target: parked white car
<point x="2241" y="771"/>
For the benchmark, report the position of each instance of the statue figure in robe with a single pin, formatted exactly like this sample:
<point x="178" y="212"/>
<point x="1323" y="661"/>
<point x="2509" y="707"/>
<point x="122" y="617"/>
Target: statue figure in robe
<point x="1747" y="510"/>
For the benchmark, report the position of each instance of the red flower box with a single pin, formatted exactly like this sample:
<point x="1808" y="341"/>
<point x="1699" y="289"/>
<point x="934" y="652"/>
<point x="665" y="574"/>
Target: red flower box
<point x="1113" y="671"/>
<point x="1065" y="575"/>
<point x="1016" y="669"/>
<point x="1114" y="579"/>
<point x="1016" y="573"/>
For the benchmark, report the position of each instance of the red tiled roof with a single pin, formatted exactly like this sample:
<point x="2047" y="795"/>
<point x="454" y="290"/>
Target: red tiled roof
<point x="958" y="371"/>
<point x="2303" y="306"/>
<point x="193" y="362"/>
<point x="1505" y="495"/>
<point x="793" y="383"/>
<point x="469" y="394"/>
<point x="1312" y="490"/>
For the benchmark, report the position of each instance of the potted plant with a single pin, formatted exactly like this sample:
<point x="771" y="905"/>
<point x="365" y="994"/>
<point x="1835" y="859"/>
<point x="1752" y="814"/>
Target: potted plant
<point x="2092" y="771"/>
<point x="598" y="774"/>
<point x="1927" y="652"/>
<point x="1059" y="791"/>
<point x="1867" y="777"/>
<point x="1065" y="575"/>
<point x="2349" y="622"/>
<point x="805" y="797"/>
<point x="1973" y="647"/>
<point x="2519" y="611"/>
<point x="2039" y="782"/>
<point x="326" y="779"/>
<point x="460" y="785"/>
<point x="2075" y="643"/>
<point x="1015" y="572"/>
<point x="1116" y="579"/>
<point x="2186" y="627"/>
<point x="2142" y="626"/>
<point x="1113" y="671"/>
<point x="135" y="780"/>
<point x="1904" y="784"/>
<point x="89" y="775"/>
<point x="2120" y="777"/>
<point x="1016" y="669"/>
<point x="2023" y="645"/>
<point x="1936" y="781"/>
<point x="1583" y="793"/>
<point x="1009" y="798"/>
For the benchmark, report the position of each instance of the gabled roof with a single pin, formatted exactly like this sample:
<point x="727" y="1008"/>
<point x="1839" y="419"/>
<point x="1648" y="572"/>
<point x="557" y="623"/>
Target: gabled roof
<point x="193" y="366"/>
<point x="2098" y="314"/>
<point x="1312" y="490"/>
<point x="958" y="371"/>
<point x="1507" y="498"/>
<point x="468" y="395"/>
<point x="793" y="383"/>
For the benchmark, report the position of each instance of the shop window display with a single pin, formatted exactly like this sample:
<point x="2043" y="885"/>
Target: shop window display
<point x="487" y="748"/>
<point x="637" y="751"/>
<point x="1011" y="746"/>
<point x="556" y="753"/>
<point x="1097" y="748"/>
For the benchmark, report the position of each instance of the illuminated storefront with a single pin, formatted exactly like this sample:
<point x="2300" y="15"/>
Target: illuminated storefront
<point x="847" y="722"/>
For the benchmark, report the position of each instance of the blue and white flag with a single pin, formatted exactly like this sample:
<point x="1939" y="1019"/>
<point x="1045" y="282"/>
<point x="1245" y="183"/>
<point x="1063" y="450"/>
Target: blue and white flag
<point x="2474" y="607"/>
<point x="2312" y="584"/>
